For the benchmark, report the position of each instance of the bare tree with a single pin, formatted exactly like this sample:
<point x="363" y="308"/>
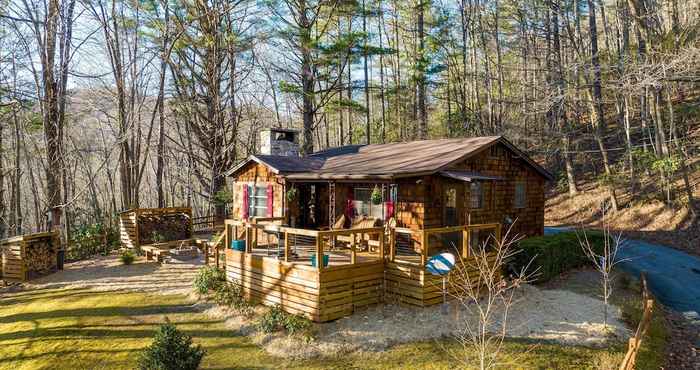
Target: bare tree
<point x="478" y="285"/>
<point x="603" y="259"/>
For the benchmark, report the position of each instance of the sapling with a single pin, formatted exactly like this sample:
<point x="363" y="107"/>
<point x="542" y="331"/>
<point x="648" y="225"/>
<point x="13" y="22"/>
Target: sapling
<point x="603" y="260"/>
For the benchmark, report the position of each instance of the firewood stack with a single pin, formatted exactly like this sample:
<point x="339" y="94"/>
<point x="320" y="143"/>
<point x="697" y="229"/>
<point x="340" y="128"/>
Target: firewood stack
<point x="154" y="228"/>
<point x="41" y="258"/>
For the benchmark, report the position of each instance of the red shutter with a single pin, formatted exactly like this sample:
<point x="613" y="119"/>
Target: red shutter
<point x="246" y="206"/>
<point x="270" y="195"/>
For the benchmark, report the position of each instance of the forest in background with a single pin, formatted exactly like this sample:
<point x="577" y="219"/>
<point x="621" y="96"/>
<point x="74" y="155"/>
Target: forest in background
<point x="110" y="105"/>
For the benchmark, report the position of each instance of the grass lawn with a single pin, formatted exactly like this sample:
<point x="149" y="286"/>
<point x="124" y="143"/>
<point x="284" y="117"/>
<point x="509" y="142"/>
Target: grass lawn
<point x="84" y="329"/>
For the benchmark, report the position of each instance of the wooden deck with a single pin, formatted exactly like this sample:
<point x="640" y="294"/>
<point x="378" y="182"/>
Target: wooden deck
<point x="320" y="295"/>
<point x="359" y="273"/>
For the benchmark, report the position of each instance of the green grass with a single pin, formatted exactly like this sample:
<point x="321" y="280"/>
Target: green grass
<point x="79" y="328"/>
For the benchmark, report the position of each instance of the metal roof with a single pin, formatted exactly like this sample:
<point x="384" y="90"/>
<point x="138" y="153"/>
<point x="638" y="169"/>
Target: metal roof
<point x="394" y="160"/>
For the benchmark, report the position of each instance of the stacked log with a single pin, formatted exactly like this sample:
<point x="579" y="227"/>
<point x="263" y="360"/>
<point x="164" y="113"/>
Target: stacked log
<point x="158" y="228"/>
<point x="40" y="258"/>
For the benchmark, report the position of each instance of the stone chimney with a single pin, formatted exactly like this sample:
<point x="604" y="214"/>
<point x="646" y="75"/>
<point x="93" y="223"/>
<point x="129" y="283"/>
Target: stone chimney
<point x="279" y="141"/>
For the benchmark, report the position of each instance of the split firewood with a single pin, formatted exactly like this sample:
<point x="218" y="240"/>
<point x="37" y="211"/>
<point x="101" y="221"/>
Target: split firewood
<point x="163" y="228"/>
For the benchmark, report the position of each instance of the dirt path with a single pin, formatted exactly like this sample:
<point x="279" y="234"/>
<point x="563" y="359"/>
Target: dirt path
<point x="108" y="273"/>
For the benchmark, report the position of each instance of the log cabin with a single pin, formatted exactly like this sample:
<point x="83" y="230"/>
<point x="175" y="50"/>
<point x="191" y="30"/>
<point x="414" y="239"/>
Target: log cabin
<point x="375" y="213"/>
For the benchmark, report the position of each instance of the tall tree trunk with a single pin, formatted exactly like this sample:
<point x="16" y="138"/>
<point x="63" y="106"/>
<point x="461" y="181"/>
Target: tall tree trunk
<point x="350" y="87"/>
<point x="53" y="126"/>
<point x="597" y="100"/>
<point x="160" y="160"/>
<point x="382" y="99"/>
<point x="3" y="219"/>
<point x="423" y="114"/>
<point x="368" y="124"/>
<point x="341" y="113"/>
<point x="560" y="114"/>
<point x="307" y="79"/>
<point x="397" y="74"/>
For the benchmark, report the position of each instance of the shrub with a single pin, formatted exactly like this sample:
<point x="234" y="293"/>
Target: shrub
<point x="171" y="350"/>
<point x="231" y="295"/>
<point x="89" y="240"/>
<point x="295" y="324"/>
<point x="272" y="320"/>
<point x="208" y="278"/>
<point x="276" y="319"/>
<point x="553" y="254"/>
<point x="127" y="257"/>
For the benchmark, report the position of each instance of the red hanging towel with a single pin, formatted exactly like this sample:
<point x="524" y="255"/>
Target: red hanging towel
<point x="389" y="206"/>
<point x="244" y="211"/>
<point x="270" y="192"/>
<point x="349" y="207"/>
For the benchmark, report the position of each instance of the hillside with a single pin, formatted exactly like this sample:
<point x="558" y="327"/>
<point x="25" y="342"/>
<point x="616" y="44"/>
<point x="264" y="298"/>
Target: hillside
<point x="644" y="212"/>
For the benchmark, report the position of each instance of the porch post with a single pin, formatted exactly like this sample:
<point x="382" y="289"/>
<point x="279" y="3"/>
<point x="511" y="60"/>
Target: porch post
<point x="465" y="242"/>
<point x="392" y="244"/>
<point x="424" y="248"/>
<point x="331" y="204"/>
<point x="319" y="251"/>
<point x="381" y="245"/>
<point x="353" y="248"/>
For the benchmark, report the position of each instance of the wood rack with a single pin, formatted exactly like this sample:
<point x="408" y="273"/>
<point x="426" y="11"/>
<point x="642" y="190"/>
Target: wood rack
<point x="130" y="229"/>
<point x="16" y="252"/>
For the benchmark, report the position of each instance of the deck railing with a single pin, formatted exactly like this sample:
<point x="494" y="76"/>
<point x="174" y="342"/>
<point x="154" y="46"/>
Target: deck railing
<point x="207" y="222"/>
<point x="428" y="240"/>
<point x="268" y="231"/>
<point x="394" y="244"/>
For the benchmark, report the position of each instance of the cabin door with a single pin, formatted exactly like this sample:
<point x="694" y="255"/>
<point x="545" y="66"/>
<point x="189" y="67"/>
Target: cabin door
<point x="307" y="206"/>
<point x="450" y="212"/>
<point x="450" y="216"/>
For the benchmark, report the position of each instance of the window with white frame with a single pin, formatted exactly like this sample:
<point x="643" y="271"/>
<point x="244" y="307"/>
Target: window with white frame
<point x="363" y="203"/>
<point x="520" y="198"/>
<point x="476" y="195"/>
<point x="257" y="201"/>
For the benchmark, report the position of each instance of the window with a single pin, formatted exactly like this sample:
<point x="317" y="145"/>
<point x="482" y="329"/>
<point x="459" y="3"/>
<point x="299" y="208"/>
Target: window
<point x="451" y="198"/>
<point x="364" y="206"/>
<point x="476" y="195"/>
<point x="257" y="201"/>
<point x="520" y="200"/>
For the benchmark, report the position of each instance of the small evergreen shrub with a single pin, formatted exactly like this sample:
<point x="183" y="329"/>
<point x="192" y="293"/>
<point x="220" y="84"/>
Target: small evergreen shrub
<point x="208" y="278"/>
<point x="554" y="254"/>
<point x="276" y="319"/>
<point x="127" y="257"/>
<point x="171" y="350"/>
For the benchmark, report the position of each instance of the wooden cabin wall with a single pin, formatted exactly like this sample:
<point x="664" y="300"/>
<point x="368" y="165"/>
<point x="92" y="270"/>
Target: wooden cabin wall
<point x="499" y="195"/>
<point x="260" y="175"/>
<point x="410" y="203"/>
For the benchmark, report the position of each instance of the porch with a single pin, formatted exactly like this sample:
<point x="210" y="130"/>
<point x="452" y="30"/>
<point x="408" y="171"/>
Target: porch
<point x="278" y="264"/>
